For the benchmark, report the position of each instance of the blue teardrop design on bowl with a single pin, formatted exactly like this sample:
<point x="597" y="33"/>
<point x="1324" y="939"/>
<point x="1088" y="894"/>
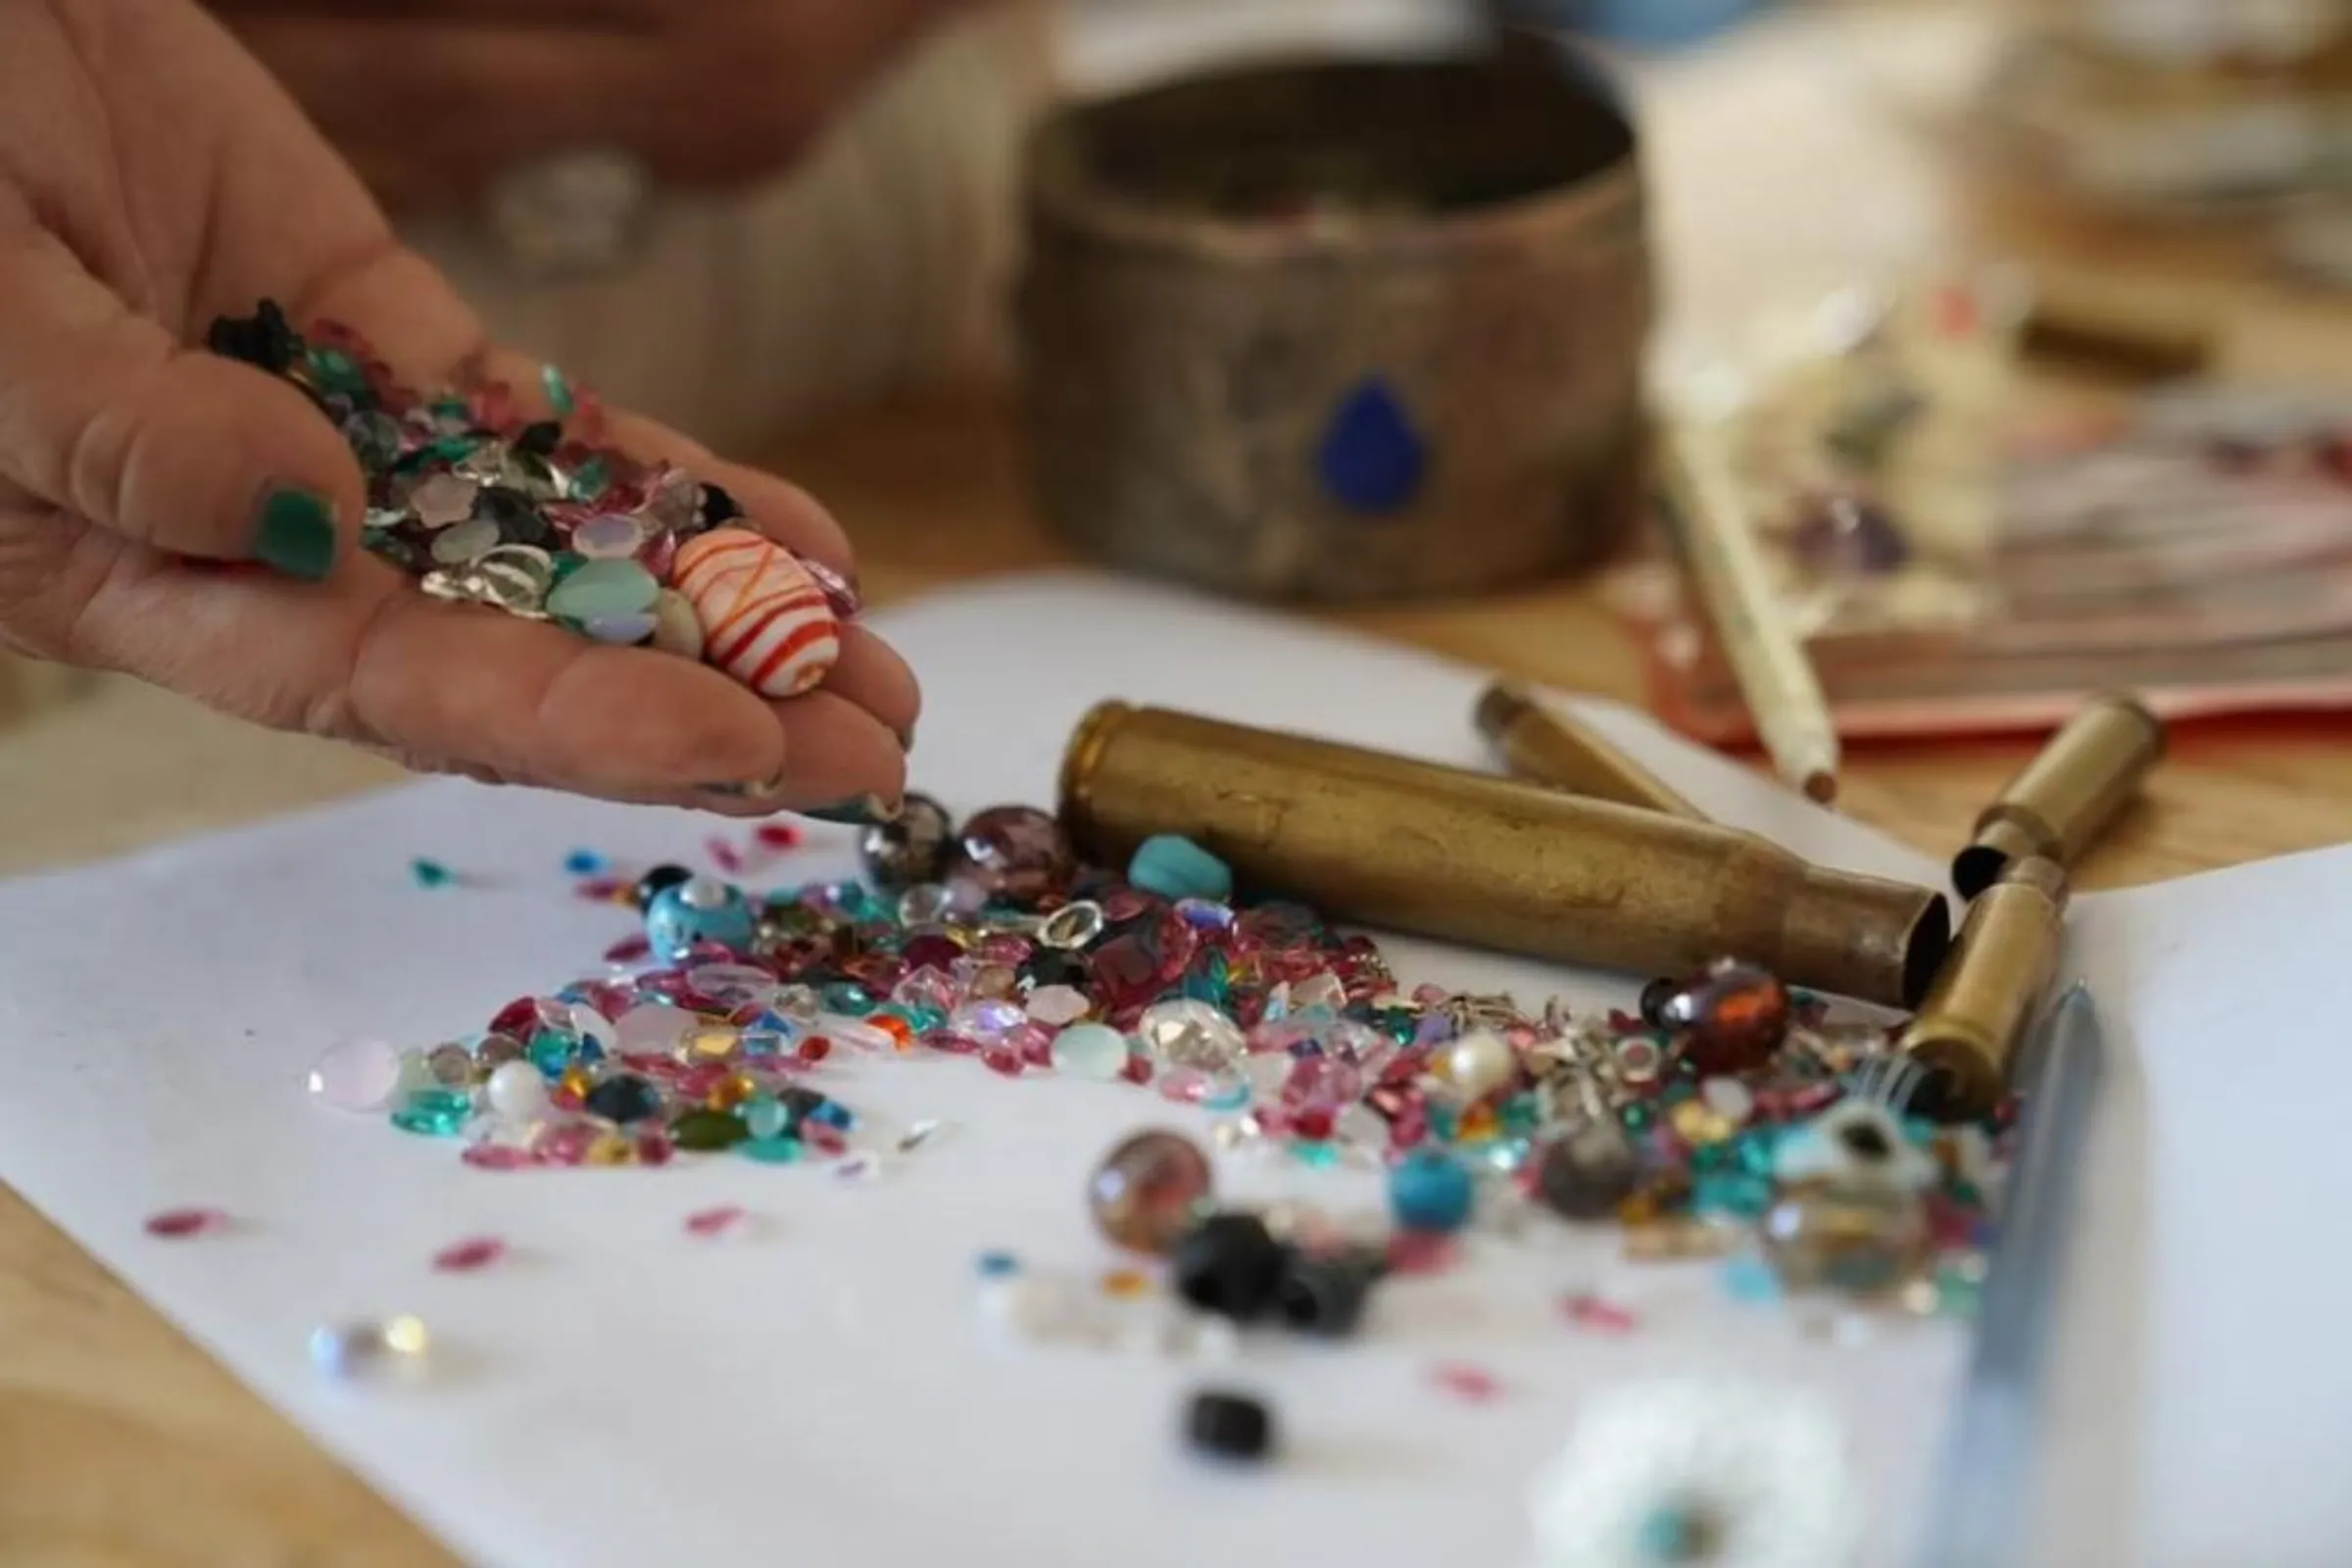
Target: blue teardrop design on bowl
<point x="1371" y="459"/>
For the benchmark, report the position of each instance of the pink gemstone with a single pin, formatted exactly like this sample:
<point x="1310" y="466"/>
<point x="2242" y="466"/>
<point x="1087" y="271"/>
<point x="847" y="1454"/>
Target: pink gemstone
<point x="1138" y="1070"/>
<point x="1587" y="1310"/>
<point x="1002" y="947"/>
<point x="566" y="1145"/>
<point x="178" y="1224"/>
<point x="824" y="1140"/>
<point x="1002" y="1058"/>
<point x="1035" y="1045"/>
<point x="1187" y="1086"/>
<point x="716" y="1222"/>
<point x="954" y="1044"/>
<point x="628" y="950"/>
<point x="655" y="1148"/>
<point x="496" y="1156"/>
<point x="1464" y="1382"/>
<point x="1421" y="1252"/>
<point x="652" y="1029"/>
<point x="777" y="836"/>
<point x="465" y="1257"/>
<point x="723" y="855"/>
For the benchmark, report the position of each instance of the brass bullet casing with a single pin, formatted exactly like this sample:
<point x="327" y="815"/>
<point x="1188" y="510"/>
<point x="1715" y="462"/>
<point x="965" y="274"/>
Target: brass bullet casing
<point x="1544" y="746"/>
<point x="1467" y="856"/>
<point x="2067" y="795"/>
<point x="1968" y="1028"/>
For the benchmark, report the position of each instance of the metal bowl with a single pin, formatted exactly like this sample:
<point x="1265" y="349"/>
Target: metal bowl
<point x="1340" y="330"/>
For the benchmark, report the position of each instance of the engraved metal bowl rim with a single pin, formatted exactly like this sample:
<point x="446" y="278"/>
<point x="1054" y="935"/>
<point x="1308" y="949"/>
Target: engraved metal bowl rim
<point x="1062" y="193"/>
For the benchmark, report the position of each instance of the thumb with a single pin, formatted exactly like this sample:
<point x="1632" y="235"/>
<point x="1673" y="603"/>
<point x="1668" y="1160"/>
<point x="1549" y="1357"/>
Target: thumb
<point x="104" y="415"/>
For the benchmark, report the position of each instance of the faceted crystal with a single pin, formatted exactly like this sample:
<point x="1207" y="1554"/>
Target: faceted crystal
<point x="1731" y="1019"/>
<point x="356" y="1075"/>
<point x="1191" y="1034"/>
<point x="1057" y="1004"/>
<point x="1014" y="852"/>
<point x="1149" y="1190"/>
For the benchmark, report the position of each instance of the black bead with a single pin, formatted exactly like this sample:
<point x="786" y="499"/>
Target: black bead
<point x="718" y="506"/>
<point x="799" y="1105"/>
<point x="1229" y="1264"/>
<point x="1324" y="1294"/>
<point x="540" y="440"/>
<point x="1050" y="967"/>
<point x="650" y="885"/>
<point x="624" y="1099"/>
<point x="1231" y="1426"/>
<point x="1654" y="998"/>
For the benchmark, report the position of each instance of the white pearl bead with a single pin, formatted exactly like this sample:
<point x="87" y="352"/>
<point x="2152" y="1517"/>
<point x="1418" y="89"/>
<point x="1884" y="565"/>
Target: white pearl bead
<point x="1480" y="1062"/>
<point x="517" y="1091"/>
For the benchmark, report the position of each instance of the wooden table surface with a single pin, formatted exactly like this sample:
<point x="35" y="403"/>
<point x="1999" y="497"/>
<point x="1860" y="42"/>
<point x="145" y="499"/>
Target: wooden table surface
<point x="122" y="1443"/>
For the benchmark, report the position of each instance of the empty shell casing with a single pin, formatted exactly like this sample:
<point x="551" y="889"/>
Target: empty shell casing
<point x="2067" y="795"/>
<point x="1968" y="1028"/>
<point x="1540" y="744"/>
<point x="1467" y="856"/>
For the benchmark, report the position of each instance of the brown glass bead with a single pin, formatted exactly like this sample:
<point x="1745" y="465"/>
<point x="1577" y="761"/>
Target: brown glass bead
<point x="1730" y="1019"/>
<point x="1587" y="1172"/>
<point x="1149" y="1190"/>
<point x="1013" y="852"/>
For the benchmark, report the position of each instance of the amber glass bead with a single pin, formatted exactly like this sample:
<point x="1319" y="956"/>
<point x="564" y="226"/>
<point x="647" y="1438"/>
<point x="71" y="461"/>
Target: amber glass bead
<point x="1846" y="1236"/>
<point x="1731" y="1019"/>
<point x="1149" y="1190"/>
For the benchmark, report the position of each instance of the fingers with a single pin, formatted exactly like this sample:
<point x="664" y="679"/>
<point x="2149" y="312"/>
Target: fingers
<point x="872" y="676"/>
<point x="104" y="415"/>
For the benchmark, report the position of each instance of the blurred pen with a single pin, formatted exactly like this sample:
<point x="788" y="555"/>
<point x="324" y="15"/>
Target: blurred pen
<point x="1981" y="1504"/>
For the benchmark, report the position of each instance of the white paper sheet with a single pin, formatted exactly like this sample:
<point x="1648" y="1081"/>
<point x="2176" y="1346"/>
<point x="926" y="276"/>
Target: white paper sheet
<point x="822" y="1391"/>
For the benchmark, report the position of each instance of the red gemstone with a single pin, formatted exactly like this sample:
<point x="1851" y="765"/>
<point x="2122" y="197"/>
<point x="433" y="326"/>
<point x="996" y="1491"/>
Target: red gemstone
<point x="655" y="1148"/>
<point x="723" y="855"/>
<point x="718" y="1221"/>
<point x="519" y="1018"/>
<point x="931" y="952"/>
<point x="777" y="836"/>
<point x="465" y="1257"/>
<point x="1138" y="1070"/>
<point x="816" y="1047"/>
<point x="176" y="1224"/>
<point x="1002" y="1058"/>
<point x="1312" y="1125"/>
<point x="1587" y="1310"/>
<point x="1464" y="1382"/>
<point x="496" y="1156"/>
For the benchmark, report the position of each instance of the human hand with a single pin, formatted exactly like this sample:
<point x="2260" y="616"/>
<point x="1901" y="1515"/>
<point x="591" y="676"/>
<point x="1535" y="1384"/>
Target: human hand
<point x="429" y="99"/>
<point x="193" y="521"/>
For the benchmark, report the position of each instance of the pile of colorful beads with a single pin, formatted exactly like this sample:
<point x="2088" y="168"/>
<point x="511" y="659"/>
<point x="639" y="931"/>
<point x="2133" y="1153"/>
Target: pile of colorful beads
<point x="1732" y="1119"/>
<point x="487" y="505"/>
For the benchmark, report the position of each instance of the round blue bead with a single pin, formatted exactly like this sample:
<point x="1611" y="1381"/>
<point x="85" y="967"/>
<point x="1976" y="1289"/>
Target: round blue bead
<point x="1429" y="1190"/>
<point x="678" y="917"/>
<point x="1176" y="867"/>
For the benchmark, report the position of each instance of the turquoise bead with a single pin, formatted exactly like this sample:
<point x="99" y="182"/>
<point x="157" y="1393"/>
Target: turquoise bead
<point x="779" y="1150"/>
<point x="1429" y="1190"/>
<point x="1176" y="867"/>
<point x="434" y="1112"/>
<point x="1731" y="1193"/>
<point x="596" y="589"/>
<point x="698" y="909"/>
<point x="765" y="1117"/>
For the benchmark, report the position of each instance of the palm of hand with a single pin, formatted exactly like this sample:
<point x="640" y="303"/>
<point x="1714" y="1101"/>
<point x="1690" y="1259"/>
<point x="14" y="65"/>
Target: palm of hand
<point x="152" y="177"/>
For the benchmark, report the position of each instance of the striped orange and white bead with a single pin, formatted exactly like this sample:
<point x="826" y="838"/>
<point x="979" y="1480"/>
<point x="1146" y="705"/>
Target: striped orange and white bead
<point x="764" y="618"/>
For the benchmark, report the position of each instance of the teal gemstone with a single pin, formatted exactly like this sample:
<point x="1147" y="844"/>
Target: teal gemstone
<point x="765" y="1116"/>
<point x="849" y="1000"/>
<point x="589" y="479"/>
<point x="432" y="873"/>
<point x="551" y="1051"/>
<point x="1637" y="1117"/>
<point x="598" y="590"/>
<point x="915" y="1016"/>
<point x="1750" y="1280"/>
<point x="1443" y="1123"/>
<point x="1400" y="1027"/>
<point x="780" y="1150"/>
<point x="435" y="1113"/>
<point x="1209" y="981"/>
<point x="1672" y="1534"/>
<point x="1959" y="1291"/>
<point x="1758" y="1147"/>
<point x="336" y="371"/>
<point x="1709" y="1158"/>
<point x="1731" y="1193"/>
<point x="1175" y="868"/>
<point x="1321" y="1155"/>
<point x="1522" y="1115"/>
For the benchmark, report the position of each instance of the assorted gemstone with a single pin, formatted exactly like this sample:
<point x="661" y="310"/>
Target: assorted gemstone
<point x="1736" y="1119"/>
<point x="486" y="505"/>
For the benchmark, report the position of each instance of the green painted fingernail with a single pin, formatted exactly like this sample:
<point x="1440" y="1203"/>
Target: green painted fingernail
<point x="863" y="810"/>
<point x="296" y="534"/>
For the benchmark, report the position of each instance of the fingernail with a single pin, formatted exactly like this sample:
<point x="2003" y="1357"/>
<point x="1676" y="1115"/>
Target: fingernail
<point x="295" y="533"/>
<point x="765" y="790"/>
<point x="906" y="739"/>
<point x="865" y="811"/>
